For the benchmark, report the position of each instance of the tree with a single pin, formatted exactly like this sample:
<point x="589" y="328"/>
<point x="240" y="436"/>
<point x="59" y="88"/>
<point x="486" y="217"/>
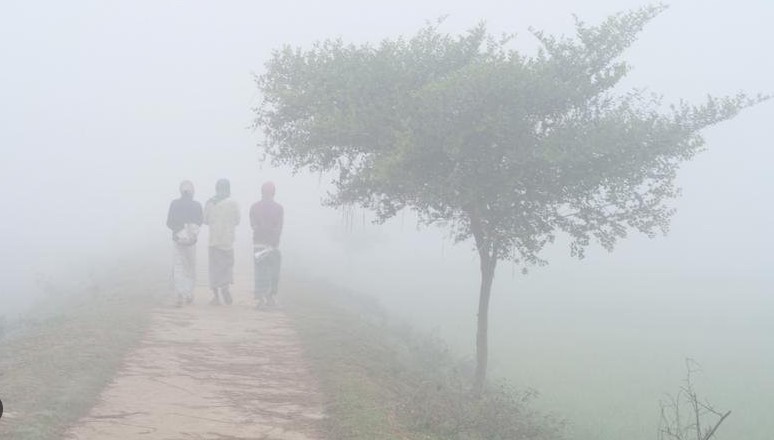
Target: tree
<point x="507" y="149"/>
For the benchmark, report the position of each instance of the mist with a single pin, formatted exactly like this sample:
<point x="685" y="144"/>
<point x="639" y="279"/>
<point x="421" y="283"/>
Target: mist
<point x="106" y="107"/>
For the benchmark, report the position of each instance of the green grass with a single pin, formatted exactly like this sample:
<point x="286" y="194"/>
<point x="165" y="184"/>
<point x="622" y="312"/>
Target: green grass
<point x="384" y="381"/>
<point x="59" y="357"/>
<point x="352" y="362"/>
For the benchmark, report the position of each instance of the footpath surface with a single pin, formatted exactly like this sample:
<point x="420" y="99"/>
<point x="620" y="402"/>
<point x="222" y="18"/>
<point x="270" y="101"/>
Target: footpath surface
<point x="210" y="373"/>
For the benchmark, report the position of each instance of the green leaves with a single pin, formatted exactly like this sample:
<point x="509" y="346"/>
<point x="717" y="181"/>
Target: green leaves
<point x="451" y="125"/>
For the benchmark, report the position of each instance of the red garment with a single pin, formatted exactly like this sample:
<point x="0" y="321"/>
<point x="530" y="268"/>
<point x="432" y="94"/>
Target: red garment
<point x="266" y="218"/>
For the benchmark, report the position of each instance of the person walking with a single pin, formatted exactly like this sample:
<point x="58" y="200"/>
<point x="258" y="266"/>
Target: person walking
<point x="221" y="214"/>
<point x="266" y="219"/>
<point x="184" y="219"/>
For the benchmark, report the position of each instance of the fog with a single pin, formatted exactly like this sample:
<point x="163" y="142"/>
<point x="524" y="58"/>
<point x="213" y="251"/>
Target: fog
<point x="107" y="106"/>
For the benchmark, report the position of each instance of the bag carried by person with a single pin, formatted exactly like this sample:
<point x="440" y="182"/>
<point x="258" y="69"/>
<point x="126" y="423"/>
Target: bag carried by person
<point x="188" y="235"/>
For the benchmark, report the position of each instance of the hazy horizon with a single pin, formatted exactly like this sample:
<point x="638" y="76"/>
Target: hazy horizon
<point x="107" y="107"/>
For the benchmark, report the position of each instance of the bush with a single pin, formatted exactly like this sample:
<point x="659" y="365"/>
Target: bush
<point x="406" y="382"/>
<point x="438" y="399"/>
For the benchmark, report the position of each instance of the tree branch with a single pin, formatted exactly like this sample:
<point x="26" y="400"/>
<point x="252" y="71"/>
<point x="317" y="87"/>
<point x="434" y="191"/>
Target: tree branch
<point x="711" y="432"/>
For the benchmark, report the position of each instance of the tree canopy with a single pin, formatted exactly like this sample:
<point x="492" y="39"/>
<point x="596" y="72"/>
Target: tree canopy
<point x="459" y="128"/>
<point x="504" y="148"/>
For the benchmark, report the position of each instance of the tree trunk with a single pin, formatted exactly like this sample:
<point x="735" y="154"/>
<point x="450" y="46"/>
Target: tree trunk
<point x="487" y="254"/>
<point x="482" y="339"/>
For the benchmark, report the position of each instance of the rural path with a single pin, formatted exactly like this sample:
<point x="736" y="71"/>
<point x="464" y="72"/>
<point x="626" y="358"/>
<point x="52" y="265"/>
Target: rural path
<point x="210" y="373"/>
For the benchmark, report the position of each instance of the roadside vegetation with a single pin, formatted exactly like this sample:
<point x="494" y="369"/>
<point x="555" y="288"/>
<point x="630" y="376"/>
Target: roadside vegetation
<point x="57" y="358"/>
<point x="382" y="380"/>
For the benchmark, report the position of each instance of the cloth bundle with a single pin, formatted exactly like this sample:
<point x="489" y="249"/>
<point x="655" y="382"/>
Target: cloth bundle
<point x="267" y="260"/>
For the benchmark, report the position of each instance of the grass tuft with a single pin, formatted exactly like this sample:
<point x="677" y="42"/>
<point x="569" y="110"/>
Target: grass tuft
<point x="385" y="381"/>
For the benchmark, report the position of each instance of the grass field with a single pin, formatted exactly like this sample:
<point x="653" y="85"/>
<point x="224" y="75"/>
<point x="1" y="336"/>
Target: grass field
<point x="383" y="380"/>
<point x="59" y="356"/>
<point x="349" y="357"/>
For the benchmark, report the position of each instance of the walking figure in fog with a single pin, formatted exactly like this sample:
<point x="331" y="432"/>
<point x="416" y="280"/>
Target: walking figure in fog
<point x="184" y="219"/>
<point x="221" y="214"/>
<point x="266" y="219"/>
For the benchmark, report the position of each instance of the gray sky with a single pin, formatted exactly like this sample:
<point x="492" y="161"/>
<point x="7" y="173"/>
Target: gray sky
<point x="106" y="106"/>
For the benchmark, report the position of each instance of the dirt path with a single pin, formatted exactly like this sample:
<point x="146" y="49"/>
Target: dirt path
<point x="204" y="372"/>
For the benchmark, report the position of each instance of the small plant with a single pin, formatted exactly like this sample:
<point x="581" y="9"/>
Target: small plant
<point x="687" y="417"/>
<point x="445" y="408"/>
<point x="436" y="397"/>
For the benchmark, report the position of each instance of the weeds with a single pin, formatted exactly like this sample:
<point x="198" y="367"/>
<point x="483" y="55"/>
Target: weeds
<point x="386" y="381"/>
<point x="685" y="416"/>
<point x="59" y="356"/>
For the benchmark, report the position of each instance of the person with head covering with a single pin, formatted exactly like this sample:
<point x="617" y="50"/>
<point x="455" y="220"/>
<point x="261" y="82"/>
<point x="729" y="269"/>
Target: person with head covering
<point x="221" y="214"/>
<point x="184" y="218"/>
<point x="266" y="219"/>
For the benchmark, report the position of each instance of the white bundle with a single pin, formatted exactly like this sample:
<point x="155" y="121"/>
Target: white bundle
<point x="188" y="234"/>
<point x="261" y="252"/>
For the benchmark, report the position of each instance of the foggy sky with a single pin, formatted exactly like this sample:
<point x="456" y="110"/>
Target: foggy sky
<point x="106" y="106"/>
